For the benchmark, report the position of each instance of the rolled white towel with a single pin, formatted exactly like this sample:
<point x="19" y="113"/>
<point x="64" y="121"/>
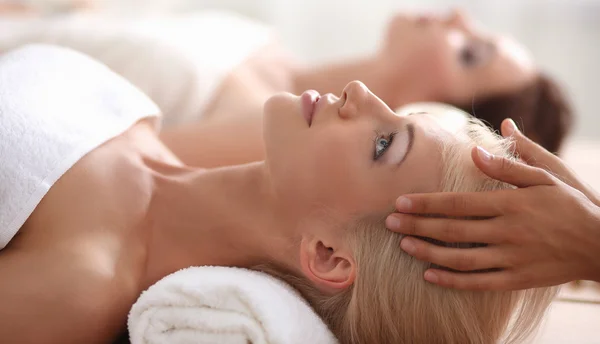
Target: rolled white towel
<point x="224" y="305"/>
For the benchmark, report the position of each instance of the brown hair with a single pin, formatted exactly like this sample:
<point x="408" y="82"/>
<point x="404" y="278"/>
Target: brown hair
<point x="541" y="110"/>
<point x="390" y="302"/>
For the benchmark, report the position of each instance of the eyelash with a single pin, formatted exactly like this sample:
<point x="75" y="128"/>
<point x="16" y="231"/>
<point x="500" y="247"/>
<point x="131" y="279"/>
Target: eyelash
<point x="467" y="56"/>
<point x="379" y="136"/>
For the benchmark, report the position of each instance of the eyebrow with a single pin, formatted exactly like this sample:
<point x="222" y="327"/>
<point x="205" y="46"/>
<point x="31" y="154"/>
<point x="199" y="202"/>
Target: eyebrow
<point x="489" y="48"/>
<point x="492" y="46"/>
<point x="410" y="128"/>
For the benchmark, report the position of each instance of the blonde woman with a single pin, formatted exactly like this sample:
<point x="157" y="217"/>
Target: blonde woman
<point x="95" y="208"/>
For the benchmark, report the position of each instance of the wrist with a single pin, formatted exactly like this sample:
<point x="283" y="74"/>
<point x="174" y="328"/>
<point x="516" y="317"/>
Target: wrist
<point x="596" y="199"/>
<point x="595" y="257"/>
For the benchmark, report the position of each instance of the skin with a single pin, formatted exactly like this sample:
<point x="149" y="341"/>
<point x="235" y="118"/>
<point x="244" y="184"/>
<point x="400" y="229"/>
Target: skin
<point x="312" y="167"/>
<point x="445" y="59"/>
<point x="83" y="245"/>
<point x="15" y="9"/>
<point x="18" y="9"/>
<point x="129" y="213"/>
<point x="109" y="264"/>
<point x="421" y="58"/>
<point x="546" y="232"/>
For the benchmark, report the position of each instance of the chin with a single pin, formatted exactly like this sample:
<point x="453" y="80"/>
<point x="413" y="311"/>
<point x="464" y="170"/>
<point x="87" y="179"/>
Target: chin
<point x="281" y="102"/>
<point x="282" y="118"/>
<point x="283" y="106"/>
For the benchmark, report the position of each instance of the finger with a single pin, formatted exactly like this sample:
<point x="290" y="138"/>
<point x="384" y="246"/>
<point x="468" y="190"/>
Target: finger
<point x="537" y="156"/>
<point x="510" y="171"/>
<point x="496" y="280"/>
<point x="529" y="151"/>
<point x="483" y="204"/>
<point x="448" y="230"/>
<point x="461" y="259"/>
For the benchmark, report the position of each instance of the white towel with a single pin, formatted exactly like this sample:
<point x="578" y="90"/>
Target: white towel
<point x="56" y="105"/>
<point x="224" y="305"/>
<point x="179" y="61"/>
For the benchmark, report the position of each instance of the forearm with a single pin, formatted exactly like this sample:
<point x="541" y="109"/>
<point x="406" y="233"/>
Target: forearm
<point x="331" y="78"/>
<point x="595" y="197"/>
<point x="588" y="247"/>
<point x="596" y="251"/>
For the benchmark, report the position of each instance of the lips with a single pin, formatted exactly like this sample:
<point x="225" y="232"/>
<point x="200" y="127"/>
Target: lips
<point x="423" y="20"/>
<point x="309" y="100"/>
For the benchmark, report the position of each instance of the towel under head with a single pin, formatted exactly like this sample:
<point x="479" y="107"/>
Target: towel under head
<point x="224" y="305"/>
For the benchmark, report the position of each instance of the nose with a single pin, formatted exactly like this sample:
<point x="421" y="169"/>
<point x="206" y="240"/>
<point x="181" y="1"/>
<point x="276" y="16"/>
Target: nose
<point x="459" y="19"/>
<point x="354" y="95"/>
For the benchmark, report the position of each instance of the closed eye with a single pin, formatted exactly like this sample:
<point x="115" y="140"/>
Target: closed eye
<point x="476" y="53"/>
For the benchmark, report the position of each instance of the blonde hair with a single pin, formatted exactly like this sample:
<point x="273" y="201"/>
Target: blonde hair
<point x="391" y="303"/>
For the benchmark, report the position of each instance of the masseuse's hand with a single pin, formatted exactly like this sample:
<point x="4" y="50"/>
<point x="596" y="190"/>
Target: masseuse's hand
<point x="544" y="233"/>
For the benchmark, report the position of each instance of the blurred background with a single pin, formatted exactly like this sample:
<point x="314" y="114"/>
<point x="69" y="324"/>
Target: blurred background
<point x="563" y="36"/>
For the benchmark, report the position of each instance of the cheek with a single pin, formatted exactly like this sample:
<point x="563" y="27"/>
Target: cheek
<point x="331" y="169"/>
<point x="339" y="169"/>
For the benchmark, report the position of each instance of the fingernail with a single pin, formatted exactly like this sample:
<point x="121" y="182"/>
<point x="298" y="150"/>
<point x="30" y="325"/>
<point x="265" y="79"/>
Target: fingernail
<point x="512" y="126"/>
<point x="403" y="204"/>
<point x="408" y="246"/>
<point x="431" y="277"/>
<point x="483" y="154"/>
<point x="392" y="222"/>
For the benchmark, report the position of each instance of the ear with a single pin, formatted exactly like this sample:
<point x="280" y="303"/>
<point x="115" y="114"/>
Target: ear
<point x="330" y="268"/>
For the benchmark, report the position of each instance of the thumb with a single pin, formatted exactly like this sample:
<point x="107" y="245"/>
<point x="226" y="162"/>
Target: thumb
<point x="510" y="171"/>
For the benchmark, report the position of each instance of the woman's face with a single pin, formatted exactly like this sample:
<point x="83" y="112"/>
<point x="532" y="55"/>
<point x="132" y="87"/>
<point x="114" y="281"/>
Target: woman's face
<point x="348" y="156"/>
<point x="451" y="59"/>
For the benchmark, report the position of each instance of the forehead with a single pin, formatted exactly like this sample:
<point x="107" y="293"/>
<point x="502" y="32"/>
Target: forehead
<point x="440" y="121"/>
<point x="444" y="129"/>
<point x="434" y="131"/>
<point x="439" y="131"/>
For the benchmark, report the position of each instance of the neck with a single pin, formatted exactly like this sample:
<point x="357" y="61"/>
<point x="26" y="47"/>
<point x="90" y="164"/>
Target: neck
<point x="393" y="86"/>
<point x="221" y="217"/>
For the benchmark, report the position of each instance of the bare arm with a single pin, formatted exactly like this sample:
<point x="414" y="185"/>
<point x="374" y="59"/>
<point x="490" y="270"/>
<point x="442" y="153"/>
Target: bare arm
<point x="43" y="300"/>
<point x="230" y="131"/>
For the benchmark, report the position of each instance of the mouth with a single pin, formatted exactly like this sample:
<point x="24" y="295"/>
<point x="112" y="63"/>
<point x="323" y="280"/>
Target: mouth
<point x="309" y="101"/>
<point x="424" y="20"/>
<point x="428" y="19"/>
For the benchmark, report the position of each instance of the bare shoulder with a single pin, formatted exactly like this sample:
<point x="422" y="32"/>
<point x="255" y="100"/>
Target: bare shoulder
<point x="76" y="266"/>
<point x="59" y="292"/>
